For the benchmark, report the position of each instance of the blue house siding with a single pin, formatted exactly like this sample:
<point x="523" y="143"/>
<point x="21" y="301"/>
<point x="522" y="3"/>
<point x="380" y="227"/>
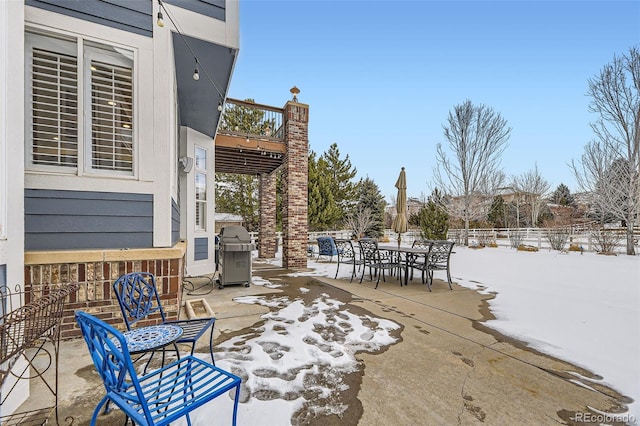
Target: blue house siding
<point x="200" y="248"/>
<point x="175" y="221"/>
<point x="74" y="220"/>
<point x="127" y="15"/>
<point x="211" y="8"/>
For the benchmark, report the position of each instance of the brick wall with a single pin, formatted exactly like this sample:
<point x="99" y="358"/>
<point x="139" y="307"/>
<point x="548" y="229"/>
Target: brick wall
<point x="267" y="233"/>
<point x="95" y="291"/>
<point x="295" y="177"/>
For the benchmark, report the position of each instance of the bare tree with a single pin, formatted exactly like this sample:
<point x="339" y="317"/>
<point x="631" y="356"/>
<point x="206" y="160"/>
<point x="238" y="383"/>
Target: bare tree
<point x="610" y="165"/>
<point x="477" y="136"/>
<point x="534" y="189"/>
<point x="359" y="221"/>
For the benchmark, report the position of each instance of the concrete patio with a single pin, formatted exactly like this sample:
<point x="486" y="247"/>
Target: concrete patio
<point x="447" y="368"/>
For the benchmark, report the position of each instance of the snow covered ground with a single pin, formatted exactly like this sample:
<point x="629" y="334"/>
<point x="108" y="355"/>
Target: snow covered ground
<point x="584" y="309"/>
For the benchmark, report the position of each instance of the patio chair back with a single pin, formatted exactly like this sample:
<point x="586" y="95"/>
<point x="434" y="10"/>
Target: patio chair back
<point x="440" y="259"/>
<point x="347" y="254"/>
<point x="139" y="300"/>
<point x="138" y="297"/>
<point x="160" y="397"/>
<point x="375" y="260"/>
<point x="419" y="262"/>
<point x="326" y="247"/>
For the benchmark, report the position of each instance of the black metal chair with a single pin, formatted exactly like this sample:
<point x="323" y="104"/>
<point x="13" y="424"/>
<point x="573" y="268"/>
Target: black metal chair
<point x="377" y="261"/>
<point x="439" y="259"/>
<point x="419" y="261"/>
<point x="348" y="255"/>
<point x="139" y="300"/>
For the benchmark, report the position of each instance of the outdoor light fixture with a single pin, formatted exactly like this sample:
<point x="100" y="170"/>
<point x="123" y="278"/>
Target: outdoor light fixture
<point x="160" y="22"/>
<point x="196" y="75"/>
<point x="220" y="106"/>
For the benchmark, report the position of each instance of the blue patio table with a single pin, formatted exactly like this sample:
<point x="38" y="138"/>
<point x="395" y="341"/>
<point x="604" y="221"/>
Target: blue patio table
<point x="149" y="339"/>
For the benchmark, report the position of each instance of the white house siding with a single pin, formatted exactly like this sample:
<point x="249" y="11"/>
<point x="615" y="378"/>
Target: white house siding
<point x="200" y="257"/>
<point x="11" y="167"/>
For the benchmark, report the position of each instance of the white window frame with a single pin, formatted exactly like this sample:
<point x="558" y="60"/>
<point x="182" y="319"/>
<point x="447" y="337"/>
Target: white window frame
<point x="61" y="45"/>
<point x="84" y="50"/>
<point x="4" y="64"/>
<point x="97" y="53"/>
<point x="200" y="170"/>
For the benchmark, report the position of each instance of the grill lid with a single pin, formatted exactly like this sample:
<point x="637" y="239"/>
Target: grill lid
<point x="234" y="234"/>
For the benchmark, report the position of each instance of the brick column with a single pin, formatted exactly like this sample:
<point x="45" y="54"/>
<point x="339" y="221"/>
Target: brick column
<point x="295" y="183"/>
<point x="267" y="233"/>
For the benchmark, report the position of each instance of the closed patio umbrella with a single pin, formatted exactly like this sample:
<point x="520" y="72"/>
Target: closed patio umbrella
<point x="400" y="223"/>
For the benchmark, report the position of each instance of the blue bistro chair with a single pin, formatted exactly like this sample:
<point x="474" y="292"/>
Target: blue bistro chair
<point x="139" y="299"/>
<point x="326" y="247"/>
<point x="160" y="397"/>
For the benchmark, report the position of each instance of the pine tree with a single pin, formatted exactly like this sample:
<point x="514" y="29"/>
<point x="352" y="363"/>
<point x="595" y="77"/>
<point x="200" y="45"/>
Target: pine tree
<point x="238" y="194"/>
<point x="369" y="196"/>
<point x="496" y="215"/>
<point x="323" y="212"/>
<point x="562" y="196"/>
<point x="340" y="174"/>
<point x="432" y="219"/>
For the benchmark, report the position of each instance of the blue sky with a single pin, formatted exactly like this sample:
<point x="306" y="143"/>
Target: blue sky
<point x="380" y="77"/>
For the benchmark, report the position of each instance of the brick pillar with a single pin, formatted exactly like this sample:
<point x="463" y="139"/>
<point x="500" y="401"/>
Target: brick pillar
<point x="295" y="183"/>
<point x="267" y="233"/>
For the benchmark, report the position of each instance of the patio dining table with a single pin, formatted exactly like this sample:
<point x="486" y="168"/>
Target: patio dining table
<point x="406" y="254"/>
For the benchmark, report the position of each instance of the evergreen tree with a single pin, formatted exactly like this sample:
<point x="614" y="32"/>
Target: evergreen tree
<point x="240" y="118"/>
<point x="238" y="194"/>
<point x="497" y="212"/>
<point x="323" y="212"/>
<point x="562" y="196"/>
<point x="340" y="173"/>
<point x="369" y="197"/>
<point x="434" y="221"/>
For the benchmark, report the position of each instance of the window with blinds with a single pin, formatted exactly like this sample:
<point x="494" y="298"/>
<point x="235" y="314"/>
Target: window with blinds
<point x="111" y="123"/>
<point x="54" y="108"/>
<point x="201" y="189"/>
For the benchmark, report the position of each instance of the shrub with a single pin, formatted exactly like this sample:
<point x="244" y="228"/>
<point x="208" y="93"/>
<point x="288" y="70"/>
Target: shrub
<point x="558" y="237"/>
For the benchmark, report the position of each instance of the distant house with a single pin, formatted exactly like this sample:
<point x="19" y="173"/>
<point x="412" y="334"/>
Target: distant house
<point x="227" y="219"/>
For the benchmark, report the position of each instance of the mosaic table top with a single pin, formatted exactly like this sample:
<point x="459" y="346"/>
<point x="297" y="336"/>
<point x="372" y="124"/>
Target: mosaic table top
<point x="152" y="337"/>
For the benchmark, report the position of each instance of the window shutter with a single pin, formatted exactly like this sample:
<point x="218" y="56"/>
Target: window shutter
<point x="111" y="117"/>
<point x="54" y="99"/>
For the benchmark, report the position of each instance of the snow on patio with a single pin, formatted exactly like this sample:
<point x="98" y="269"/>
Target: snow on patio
<point x="584" y="309"/>
<point x="298" y="362"/>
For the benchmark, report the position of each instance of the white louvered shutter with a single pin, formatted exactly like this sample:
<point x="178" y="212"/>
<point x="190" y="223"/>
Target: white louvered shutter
<point x="111" y="116"/>
<point x="54" y="108"/>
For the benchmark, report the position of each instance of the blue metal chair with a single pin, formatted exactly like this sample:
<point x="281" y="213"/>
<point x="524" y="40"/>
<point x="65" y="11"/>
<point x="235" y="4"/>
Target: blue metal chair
<point x="326" y="247"/>
<point x="139" y="300"/>
<point x="158" y="398"/>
